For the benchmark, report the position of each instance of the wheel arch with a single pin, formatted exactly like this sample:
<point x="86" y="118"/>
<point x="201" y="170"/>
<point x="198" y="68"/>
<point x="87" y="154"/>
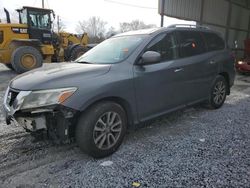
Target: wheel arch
<point x="26" y="42"/>
<point x="122" y="102"/>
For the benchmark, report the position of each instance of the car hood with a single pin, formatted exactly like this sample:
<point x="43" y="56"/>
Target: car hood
<point x="58" y="75"/>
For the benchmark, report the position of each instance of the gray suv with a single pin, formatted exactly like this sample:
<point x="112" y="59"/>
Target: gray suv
<point x="122" y="82"/>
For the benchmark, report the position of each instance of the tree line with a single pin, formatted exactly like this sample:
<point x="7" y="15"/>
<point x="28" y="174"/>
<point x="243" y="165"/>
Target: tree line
<point x="95" y="27"/>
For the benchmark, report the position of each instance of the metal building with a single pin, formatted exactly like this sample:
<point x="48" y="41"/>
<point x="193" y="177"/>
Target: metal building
<point x="230" y="17"/>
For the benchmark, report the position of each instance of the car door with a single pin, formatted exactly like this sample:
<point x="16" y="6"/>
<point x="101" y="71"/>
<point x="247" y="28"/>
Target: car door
<point x="160" y="87"/>
<point x="199" y="65"/>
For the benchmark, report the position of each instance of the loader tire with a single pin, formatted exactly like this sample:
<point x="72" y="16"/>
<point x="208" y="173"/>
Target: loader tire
<point x="77" y="52"/>
<point x="26" y="58"/>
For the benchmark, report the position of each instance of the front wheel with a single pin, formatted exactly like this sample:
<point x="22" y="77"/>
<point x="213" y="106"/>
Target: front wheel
<point x="218" y="93"/>
<point x="101" y="129"/>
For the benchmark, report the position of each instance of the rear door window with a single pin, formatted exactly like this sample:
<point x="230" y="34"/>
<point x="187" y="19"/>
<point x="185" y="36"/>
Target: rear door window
<point x="191" y="43"/>
<point x="213" y="41"/>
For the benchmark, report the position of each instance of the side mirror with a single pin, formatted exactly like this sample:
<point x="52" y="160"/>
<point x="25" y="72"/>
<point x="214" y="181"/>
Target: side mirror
<point x="150" y="57"/>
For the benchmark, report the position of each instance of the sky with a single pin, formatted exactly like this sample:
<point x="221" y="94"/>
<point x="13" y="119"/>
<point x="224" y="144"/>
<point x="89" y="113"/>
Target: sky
<point x="111" y="11"/>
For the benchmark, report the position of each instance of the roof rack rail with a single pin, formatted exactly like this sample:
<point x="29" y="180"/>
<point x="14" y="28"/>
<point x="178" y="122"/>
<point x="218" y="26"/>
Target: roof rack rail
<point x="188" y="26"/>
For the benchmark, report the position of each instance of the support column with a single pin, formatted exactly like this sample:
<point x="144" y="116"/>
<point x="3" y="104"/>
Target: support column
<point x="201" y="12"/>
<point x="228" y="20"/>
<point x="162" y="12"/>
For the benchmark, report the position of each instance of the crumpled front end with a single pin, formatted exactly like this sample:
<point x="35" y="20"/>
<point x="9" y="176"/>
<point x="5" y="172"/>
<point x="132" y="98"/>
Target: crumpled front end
<point x="55" y="120"/>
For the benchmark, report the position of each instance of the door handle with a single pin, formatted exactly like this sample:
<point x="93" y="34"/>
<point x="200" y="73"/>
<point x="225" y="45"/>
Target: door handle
<point x="212" y="62"/>
<point x="178" y="70"/>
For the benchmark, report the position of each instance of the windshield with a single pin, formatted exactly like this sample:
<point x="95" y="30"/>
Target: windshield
<point x="39" y="19"/>
<point x="112" y="50"/>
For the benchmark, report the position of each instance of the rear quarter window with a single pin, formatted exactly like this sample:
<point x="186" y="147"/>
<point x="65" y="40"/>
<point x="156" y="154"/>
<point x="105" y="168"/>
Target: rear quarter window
<point x="1" y="37"/>
<point x="213" y="41"/>
<point x="191" y="43"/>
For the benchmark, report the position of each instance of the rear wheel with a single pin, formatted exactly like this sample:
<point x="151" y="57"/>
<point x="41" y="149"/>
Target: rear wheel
<point x="77" y="52"/>
<point x="26" y="58"/>
<point x="218" y="93"/>
<point x="101" y="129"/>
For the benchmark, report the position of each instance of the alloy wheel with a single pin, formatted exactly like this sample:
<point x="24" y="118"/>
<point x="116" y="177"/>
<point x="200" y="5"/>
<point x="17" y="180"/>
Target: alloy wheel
<point x="219" y="92"/>
<point x="107" y="130"/>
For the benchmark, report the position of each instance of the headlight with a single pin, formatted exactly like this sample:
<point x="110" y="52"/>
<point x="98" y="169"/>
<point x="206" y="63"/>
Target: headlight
<point x="241" y="62"/>
<point x="47" y="97"/>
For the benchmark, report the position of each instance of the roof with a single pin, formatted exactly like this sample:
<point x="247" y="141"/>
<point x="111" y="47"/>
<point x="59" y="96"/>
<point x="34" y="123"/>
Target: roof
<point x="35" y="8"/>
<point x="140" y="32"/>
<point x="171" y="27"/>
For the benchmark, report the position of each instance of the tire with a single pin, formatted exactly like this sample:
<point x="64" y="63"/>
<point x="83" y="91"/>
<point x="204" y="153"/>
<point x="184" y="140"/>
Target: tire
<point x="9" y="66"/>
<point x="218" y="93"/>
<point x="76" y="52"/>
<point x="92" y="135"/>
<point x="26" y="58"/>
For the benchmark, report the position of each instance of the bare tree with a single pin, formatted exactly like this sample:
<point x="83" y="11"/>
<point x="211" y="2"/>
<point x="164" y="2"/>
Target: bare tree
<point x="125" y="26"/>
<point x="134" y="25"/>
<point x="111" y="32"/>
<point x="94" y="27"/>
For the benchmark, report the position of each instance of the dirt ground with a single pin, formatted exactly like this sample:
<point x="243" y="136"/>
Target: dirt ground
<point x="194" y="147"/>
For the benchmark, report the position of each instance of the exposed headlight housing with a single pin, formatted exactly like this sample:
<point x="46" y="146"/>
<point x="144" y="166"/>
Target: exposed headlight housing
<point x="47" y="97"/>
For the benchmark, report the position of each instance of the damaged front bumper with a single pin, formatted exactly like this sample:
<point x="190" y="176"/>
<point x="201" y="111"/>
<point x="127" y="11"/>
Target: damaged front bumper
<point x="57" y="121"/>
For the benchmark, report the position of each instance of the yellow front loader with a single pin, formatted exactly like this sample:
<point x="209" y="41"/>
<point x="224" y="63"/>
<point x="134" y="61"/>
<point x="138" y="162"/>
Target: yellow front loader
<point x="27" y="45"/>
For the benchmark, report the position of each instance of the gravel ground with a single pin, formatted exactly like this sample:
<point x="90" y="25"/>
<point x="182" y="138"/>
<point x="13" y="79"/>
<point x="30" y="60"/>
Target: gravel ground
<point x="194" y="147"/>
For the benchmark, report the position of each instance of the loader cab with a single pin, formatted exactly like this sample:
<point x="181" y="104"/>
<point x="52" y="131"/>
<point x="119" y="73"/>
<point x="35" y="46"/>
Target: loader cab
<point x="39" y="23"/>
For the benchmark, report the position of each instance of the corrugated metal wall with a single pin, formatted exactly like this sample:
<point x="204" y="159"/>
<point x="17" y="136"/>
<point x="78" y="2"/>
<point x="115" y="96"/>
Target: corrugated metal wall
<point x="182" y="8"/>
<point x="213" y="12"/>
<point x="231" y="18"/>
